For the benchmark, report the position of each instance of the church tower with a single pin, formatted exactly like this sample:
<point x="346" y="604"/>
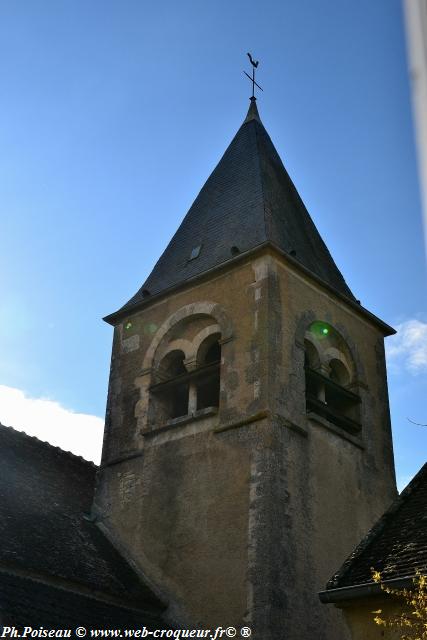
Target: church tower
<point x="247" y="443"/>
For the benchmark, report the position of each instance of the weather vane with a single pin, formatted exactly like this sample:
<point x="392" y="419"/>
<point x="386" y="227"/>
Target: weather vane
<point x="254" y="64"/>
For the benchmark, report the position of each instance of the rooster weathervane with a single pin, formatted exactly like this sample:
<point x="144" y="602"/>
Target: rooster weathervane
<point x="254" y="64"/>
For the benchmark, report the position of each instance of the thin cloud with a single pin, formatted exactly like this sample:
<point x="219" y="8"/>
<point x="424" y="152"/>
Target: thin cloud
<point x="79" y="433"/>
<point x="408" y="348"/>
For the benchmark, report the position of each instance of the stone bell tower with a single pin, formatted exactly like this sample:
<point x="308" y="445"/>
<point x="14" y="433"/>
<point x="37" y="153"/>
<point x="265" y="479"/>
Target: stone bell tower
<point x="247" y="445"/>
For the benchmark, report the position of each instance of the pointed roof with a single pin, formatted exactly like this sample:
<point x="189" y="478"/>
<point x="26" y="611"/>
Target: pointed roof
<point x="247" y="201"/>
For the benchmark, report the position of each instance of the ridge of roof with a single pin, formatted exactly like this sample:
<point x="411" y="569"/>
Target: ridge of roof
<point x="248" y="199"/>
<point x="419" y="481"/>
<point x="45" y="443"/>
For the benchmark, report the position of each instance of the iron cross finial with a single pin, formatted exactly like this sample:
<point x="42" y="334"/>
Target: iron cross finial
<point x="254" y="64"/>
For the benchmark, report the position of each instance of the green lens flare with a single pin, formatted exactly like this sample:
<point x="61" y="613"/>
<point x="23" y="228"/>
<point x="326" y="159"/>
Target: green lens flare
<point x="320" y="330"/>
<point x="129" y="325"/>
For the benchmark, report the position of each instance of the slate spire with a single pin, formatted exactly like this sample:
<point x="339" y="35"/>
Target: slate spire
<point x="252" y="112"/>
<point x="247" y="201"/>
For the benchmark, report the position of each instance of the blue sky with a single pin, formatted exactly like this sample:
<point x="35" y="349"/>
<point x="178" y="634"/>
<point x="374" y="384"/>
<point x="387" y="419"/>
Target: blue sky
<point x="115" y="113"/>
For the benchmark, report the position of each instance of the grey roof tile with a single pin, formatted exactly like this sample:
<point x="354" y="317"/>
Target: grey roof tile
<point x="26" y="602"/>
<point x="45" y="499"/>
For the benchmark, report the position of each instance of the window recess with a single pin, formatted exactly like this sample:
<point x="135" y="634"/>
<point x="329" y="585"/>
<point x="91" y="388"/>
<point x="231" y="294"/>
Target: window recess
<point x="180" y="392"/>
<point x="332" y="401"/>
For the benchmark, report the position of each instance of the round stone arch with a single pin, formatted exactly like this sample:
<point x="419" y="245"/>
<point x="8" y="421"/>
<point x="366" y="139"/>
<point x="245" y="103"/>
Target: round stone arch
<point x="211" y="309"/>
<point x="176" y="345"/>
<point x="332" y="353"/>
<point x="325" y="356"/>
<point x="314" y="353"/>
<point x="307" y="319"/>
<point x="202" y="336"/>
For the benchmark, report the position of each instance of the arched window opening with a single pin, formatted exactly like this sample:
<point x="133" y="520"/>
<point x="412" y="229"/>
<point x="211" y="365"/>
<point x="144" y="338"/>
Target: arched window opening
<point x="172" y="389"/>
<point x="313" y="386"/>
<point x="338" y="372"/>
<point x="208" y="382"/>
<point x="172" y="365"/>
<point x="213" y="354"/>
<point x="312" y="359"/>
<point x="328" y="378"/>
<point x="186" y="380"/>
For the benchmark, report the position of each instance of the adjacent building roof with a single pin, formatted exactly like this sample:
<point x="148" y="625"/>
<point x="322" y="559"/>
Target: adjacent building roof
<point x="49" y="543"/>
<point x="396" y="546"/>
<point x="26" y="602"/>
<point x="248" y="200"/>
